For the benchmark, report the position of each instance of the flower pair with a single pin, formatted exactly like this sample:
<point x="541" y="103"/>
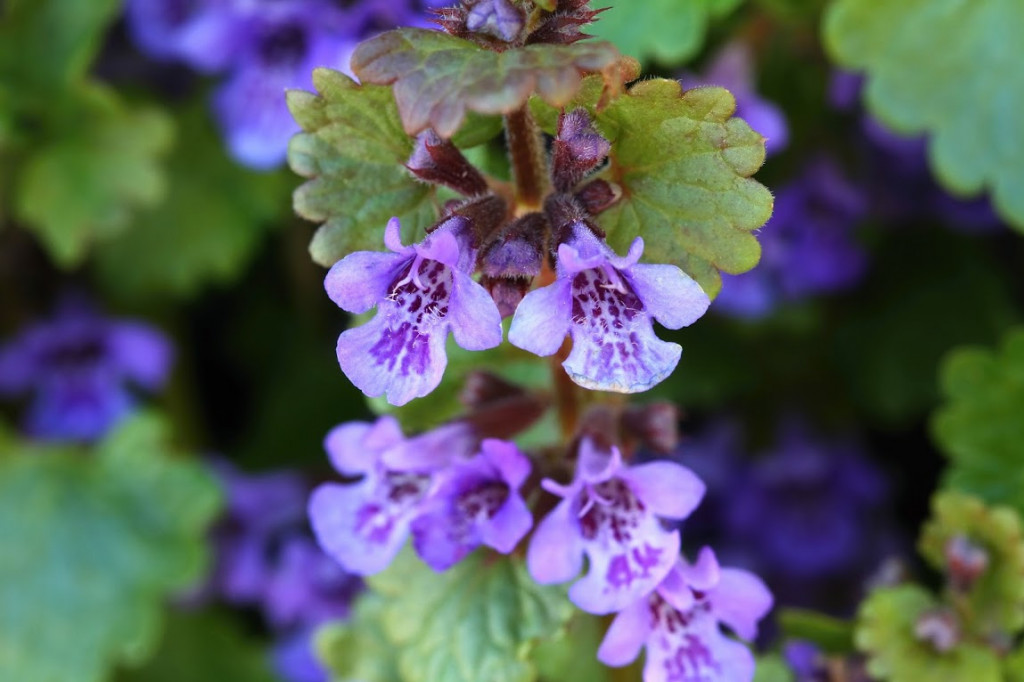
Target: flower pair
<point x="605" y="302"/>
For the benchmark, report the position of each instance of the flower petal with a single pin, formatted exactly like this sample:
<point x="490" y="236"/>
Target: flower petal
<point x="740" y="600"/>
<point x="626" y="635"/>
<point x="353" y="530"/>
<point x="669" y="489"/>
<point x="555" y="554"/>
<point x="542" y="319"/>
<point x="623" y="362"/>
<point x="389" y="355"/>
<point x="504" y="456"/>
<point x="360" y="280"/>
<point x="670" y="295"/>
<point x="508" y="526"/>
<point x="435" y="544"/>
<point x="473" y="315"/>
<point x="344" y="446"/>
<point x="141" y="352"/>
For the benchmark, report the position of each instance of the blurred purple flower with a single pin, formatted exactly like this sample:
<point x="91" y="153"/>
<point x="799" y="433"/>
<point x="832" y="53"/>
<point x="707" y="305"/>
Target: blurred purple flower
<point x="79" y="367"/>
<point x="607" y="304"/>
<point x="611" y="513"/>
<point x="807" y="247"/>
<point x="295" y="660"/>
<point x="733" y="69"/>
<point x="680" y="624"/>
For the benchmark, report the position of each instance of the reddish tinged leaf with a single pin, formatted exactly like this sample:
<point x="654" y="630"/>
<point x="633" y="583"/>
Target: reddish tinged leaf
<point x="437" y="77"/>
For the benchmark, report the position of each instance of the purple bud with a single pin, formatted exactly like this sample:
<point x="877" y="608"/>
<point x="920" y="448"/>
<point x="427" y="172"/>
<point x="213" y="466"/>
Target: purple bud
<point x="656" y="425"/>
<point x="498" y="18"/>
<point x="938" y="627"/>
<point x="965" y="562"/>
<point x="511" y="261"/>
<point x="439" y="161"/>
<point x="578" y="149"/>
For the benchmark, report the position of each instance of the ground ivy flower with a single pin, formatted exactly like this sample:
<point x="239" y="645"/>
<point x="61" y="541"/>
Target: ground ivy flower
<point x="477" y="502"/>
<point x="610" y="513"/>
<point x="421" y="292"/>
<point x="606" y="303"/>
<point x="363" y="525"/>
<point x="78" y="368"/>
<point x="680" y="624"/>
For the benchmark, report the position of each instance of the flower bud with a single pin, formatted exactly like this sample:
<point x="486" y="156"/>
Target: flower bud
<point x="498" y="18"/>
<point x="598" y="195"/>
<point x="965" y="562"/>
<point x="511" y="261"/>
<point x="578" y="149"/>
<point x="439" y="161"/>
<point x="938" y="627"/>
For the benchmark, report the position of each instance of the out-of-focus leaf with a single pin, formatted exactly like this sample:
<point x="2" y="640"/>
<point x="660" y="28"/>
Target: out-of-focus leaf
<point x="85" y="183"/>
<point x="572" y="653"/>
<point x="772" y="668"/>
<point x="477" y="621"/>
<point x="93" y="543"/>
<point x="885" y="632"/>
<point x="981" y="425"/>
<point x="996" y="599"/>
<point x="666" y="30"/>
<point x="438" y="78"/>
<point x="203" y="647"/>
<point x="829" y="634"/>
<point x="352" y="150"/>
<point x="205" y="230"/>
<point x="359" y="649"/>
<point x="951" y="69"/>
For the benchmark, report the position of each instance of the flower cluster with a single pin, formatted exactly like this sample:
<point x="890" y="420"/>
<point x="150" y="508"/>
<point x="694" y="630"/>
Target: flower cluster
<point x="604" y="302"/>
<point x="79" y="367"/>
<point x="262" y="47"/>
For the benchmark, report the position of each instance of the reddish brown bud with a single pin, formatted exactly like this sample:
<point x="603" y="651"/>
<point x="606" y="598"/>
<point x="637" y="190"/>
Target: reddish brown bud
<point x="439" y="161"/>
<point x="598" y="195"/>
<point x="655" y="425"/>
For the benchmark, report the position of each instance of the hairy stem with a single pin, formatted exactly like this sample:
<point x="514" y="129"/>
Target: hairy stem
<point x="529" y="166"/>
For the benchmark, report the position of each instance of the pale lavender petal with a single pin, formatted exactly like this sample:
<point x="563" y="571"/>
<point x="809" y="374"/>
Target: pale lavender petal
<point x="636" y="249"/>
<point x="344" y="446"/>
<point x="388" y="355"/>
<point x="740" y="600"/>
<point x="705" y="574"/>
<point x="473" y="315"/>
<point x="669" y="489"/>
<point x="555" y="554"/>
<point x="508" y="526"/>
<point x="360" y="280"/>
<point x="627" y="361"/>
<point x="353" y="529"/>
<point x="506" y="458"/>
<point x="669" y="295"/>
<point x="696" y="652"/>
<point x="626" y="635"/>
<point x="435" y="544"/>
<point x="542" y="319"/>
<point x="675" y="590"/>
<point x="141" y="352"/>
<point x="496" y="17"/>
<point x="253" y="116"/>
<point x="571" y="261"/>
<point x="595" y="465"/>
<point x="620" y="574"/>
<point x="432" y="450"/>
<point x="440" y="245"/>
<point x="393" y="237"/>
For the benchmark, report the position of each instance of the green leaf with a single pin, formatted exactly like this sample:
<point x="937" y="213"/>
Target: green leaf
<point x="772" y="668"/>
<point x="477" y="621"/>
<point x="85" y="183"/>
<point x="684" y="165"/>
<point x="94" y="543"/>
<point x="438" y="78"/>
<point x="1013" y="666"/>
<point x="829" y="634"/>
<point x="885" y="632"/>
<point x="980" y="427"/>
<point x="996" y="600"/>
<point x="358" y="649"/>
<point x="353" y="149"/>
<point x="206" y="229"/>
<point x="666" y="30"/>
<point x="951" y="69"/>
<point x="572" y="653"/>
<point x="204" y="647"/>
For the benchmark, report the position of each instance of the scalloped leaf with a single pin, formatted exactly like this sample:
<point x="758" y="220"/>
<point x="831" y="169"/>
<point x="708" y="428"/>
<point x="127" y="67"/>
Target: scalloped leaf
<point x="885" y="632"/>
<point x="997" y="597"/>
<point x="980" y="428"/>
<point x="95" y="543"/>
<point x="85" y="184"/>
<point x="437" y="77"/>
<point x="477" y="621"/>
<point x="684" y="165"/>
<point x="358" y="649"/>
<point x="666" y="30"/>
<point x="955" y="76"/>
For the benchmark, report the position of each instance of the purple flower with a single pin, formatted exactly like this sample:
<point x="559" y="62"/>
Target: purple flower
<point x="78" y="367"/>
<point x="732" y="69"/>
<point x="421" y="292"/>
<point x="201" y="33"/>
<point x="477" y="502"/>
<point x="680" y="624"/>
<point x="498" y="18"/>
<point x="295" y="660"/>
<point x="606" y="303"/>
<point x="807" y="246"/>
<point x="610" y="513"/>
<point x="363" y="525"/>
<point x="805" y="660"/>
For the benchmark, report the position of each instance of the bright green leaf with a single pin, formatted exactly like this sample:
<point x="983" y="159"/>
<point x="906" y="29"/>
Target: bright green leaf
<point x="666" y="30"/>
<point x="949" y="68"/>
<point x="684" y="166"/>
<point x="996" y="600"/>
<point x="204" y="647"/>
<point x="1013" y="666"/>
<point x="353" y="149"/>
<point x="476" y="621"/>
<point x="438" y="78"/>
<point x="93" y="543"/>
<point x="86" y="183"/>
<point x="885" y="632"/>
<point x="206" y="229"/>
<point x="980" y="427"/>
<point x="358" y="649"/>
